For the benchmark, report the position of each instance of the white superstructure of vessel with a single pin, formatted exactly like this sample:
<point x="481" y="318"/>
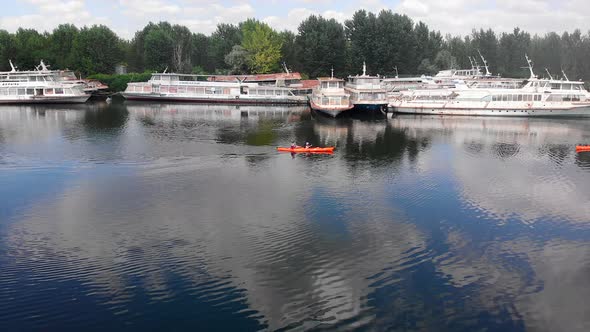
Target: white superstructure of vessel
<point x="538" y="97"/>
<point x="27" y="87"/>
<point x="366" y="92"/>
<point x="190" y="88"/>
<point x="329" y="96"/>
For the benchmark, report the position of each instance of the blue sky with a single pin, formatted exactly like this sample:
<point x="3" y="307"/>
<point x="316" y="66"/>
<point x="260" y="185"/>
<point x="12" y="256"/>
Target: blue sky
<point x="448" y="16"/>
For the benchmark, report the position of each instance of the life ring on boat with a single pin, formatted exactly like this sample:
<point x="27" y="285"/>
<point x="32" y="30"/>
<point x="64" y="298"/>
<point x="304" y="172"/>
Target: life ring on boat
<point x="237" y="97"/>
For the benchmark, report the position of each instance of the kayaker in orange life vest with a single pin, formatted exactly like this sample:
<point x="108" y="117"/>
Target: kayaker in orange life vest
<point x="293" y="145"/>
<point x="307" y="145"/>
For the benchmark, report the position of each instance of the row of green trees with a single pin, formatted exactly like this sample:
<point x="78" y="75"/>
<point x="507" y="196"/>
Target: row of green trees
<point x="384" y="41"/>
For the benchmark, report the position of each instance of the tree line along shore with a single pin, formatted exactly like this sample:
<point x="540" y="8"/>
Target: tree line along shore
<point x="385" y="41"/>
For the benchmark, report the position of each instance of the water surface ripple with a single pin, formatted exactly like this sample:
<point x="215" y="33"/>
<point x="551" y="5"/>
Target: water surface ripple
<point x="180" y="217"/>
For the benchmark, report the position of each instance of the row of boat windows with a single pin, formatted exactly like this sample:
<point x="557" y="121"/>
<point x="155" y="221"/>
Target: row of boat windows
<point x="368" y="80"/>
<point x="496" y="85"/>
<point x="33" y="92"/>
<point x="435" y="97"/>
<point x="470" y="72"/>
<point x="332" y="85"/>
<point x="514" y="97"/>
<point x="556" y="97"/>
<point x="13" y="78"/>
<point x="528" y="97"/>
<point x="559" y="86"/>
<point x="503" y="97"/>
<point x="207" y="90"/>
<point x="166" y="78"/>
<point x="338" y="100"/>
<point x="269" y="92"/>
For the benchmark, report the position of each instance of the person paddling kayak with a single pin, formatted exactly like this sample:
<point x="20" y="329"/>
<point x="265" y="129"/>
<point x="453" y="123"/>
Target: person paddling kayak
<point x="307" y="145"/>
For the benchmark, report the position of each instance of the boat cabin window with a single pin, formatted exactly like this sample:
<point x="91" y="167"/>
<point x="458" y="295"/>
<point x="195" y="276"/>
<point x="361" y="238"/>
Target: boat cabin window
<point x="324" y="85"/>
<point x="555" y="86"/>
<point x="367" y="81"/>
<point x="558" y="97"/>
<point x="157" y="77"/>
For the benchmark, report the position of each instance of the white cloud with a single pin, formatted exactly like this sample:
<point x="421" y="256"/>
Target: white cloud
<point x="535" y="16"/>
<point x="48" y="14"/>
<point x="457" y="17"/>
<point x="141" y="8"/>
<point x="198" y="16"/>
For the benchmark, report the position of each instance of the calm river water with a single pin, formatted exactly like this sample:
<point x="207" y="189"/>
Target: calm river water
<point x="143" y="217"/>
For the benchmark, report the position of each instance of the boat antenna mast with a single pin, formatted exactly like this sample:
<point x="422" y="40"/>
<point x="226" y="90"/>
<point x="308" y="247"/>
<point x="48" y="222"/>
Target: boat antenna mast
<point x="548" y="73"/>
<point x="364" y="69"/>
<point x="286" y="68"/>
<point x="42" y="66"/>
<point x="332" y="72"/>
<point x="471" y="62"/>
<point x="13" y="68"/>
<point x="396" y="72"/>
<point x="485" y="64"/>
<point x="530" y="66"/>
<point x="564" y="75"/>
<point x="476" y="64"/>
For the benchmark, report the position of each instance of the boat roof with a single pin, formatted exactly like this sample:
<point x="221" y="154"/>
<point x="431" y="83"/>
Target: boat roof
<point x="364" y="76"/>
<point x="308" y="84"/>
<point x="26" y="73"/>
<point x="256" y="77"/>
<point x="330" y="79"/>
<point x="407" y="79"/>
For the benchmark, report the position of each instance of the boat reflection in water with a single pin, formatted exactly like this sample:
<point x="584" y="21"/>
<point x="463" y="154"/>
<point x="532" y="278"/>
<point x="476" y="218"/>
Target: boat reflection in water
<point x="215" y="112"/>
<point x="512" y="167"/>
<point x="520" y="180"/>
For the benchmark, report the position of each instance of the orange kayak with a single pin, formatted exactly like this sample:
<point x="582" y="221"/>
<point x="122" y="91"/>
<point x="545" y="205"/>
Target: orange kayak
<point x="307" y="150"/>
<point x="582" y="148"/>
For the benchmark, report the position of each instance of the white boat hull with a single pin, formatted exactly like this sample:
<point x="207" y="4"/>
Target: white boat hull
<point x="80" y="99"/>
<point x="580" y="111"/>
<point x="332" y="111"/>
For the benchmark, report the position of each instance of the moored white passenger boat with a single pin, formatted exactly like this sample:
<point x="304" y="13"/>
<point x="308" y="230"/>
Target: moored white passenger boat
<point x="329" y="96"/>
<point x="68" y="77"/>
<point x="188" y="88"/>
<point x="366" y="92"/>
<point x="538" y="97"/>
<point x="500" y="102"/>
<point x="37" y="87"/>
